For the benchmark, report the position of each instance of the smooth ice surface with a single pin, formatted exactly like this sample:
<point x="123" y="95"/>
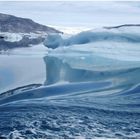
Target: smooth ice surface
<point x="20" y="70"/>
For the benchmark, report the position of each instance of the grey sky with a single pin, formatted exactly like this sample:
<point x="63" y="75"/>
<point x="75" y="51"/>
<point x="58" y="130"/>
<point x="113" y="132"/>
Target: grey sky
<point x="75" y="14"/>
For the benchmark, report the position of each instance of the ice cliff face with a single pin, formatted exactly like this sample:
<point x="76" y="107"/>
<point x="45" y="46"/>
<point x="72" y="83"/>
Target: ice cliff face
<point x="21" y="32"/>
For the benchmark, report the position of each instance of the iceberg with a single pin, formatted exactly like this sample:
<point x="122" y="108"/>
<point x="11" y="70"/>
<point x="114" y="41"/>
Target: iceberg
<point x="126" y="34"/>
<point x="116" y="43"/>
<point x="53" y="41"/>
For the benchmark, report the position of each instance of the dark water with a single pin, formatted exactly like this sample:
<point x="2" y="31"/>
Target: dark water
<point x="82" y="96"/>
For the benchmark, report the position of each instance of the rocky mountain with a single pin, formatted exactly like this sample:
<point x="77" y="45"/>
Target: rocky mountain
<point x="13" y="24"/>
<point x="21" y="32"/>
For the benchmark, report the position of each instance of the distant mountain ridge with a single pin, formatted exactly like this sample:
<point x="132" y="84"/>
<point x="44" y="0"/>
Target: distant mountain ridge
<point x="10" y="23"/>
<point x="123" y="25"/>
<point x="17" y="32"/>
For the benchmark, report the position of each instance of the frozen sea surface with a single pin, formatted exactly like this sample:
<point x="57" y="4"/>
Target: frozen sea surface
<point x="79" y="91"/>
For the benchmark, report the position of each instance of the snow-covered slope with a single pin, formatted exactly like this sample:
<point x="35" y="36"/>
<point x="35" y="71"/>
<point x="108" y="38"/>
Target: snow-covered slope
<point x="16" y="37"/>
<point x="19" y="40"/>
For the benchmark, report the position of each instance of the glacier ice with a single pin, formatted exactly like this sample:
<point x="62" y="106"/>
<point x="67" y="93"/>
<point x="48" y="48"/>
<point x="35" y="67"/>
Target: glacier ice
<point x="53" y="41"/>
<point x="115" y="43"/>
<point x="116" y="35"/>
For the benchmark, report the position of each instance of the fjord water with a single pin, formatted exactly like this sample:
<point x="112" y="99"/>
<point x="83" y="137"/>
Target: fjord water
<point x="68" y="93"/>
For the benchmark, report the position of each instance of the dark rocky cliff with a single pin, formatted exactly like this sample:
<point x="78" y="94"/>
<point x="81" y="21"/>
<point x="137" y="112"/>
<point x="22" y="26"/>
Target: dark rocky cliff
<point x="9" y="23"/>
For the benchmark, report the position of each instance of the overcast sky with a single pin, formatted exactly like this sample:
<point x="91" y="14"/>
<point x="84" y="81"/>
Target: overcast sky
<point x="75" y="14"/>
